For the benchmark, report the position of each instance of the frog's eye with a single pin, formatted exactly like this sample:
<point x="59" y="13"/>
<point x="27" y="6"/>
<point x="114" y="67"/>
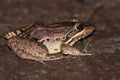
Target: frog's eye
<point x="48" y="39"/>
<point x="80" y="27"/>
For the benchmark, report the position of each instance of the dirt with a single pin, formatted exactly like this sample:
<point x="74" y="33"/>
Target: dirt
<point x="104" y="64"/>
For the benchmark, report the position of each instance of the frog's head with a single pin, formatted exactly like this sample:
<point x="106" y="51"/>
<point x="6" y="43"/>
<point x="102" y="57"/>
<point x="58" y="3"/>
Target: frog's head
<point x="80" y="31"/>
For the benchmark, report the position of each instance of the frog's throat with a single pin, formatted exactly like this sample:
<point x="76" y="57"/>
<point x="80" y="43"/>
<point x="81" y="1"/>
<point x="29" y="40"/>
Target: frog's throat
<point x="53" y="46"/>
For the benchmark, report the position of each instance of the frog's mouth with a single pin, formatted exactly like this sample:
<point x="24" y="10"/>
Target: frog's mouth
<point x="79" y="35"/>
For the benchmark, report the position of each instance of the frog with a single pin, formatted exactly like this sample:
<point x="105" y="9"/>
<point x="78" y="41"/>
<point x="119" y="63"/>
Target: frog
<point x="42" y="41"/>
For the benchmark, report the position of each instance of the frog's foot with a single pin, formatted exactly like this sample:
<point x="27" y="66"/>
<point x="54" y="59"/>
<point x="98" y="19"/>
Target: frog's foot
<point x="70" y="50"/>
<point x="28" y="57"/>
<point x="12" y="34"/>
<point x="42" y="60"/>
<point x="86" y="44"/>
<point x="53" y="58"/>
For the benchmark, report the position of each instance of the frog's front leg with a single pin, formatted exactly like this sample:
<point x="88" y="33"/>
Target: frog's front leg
<point x="70" y="50"/>
<point x="32" y="50"/>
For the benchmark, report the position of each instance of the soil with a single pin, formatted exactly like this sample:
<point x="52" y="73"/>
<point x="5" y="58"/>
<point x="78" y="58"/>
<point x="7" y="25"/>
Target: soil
<point x="104" y="64"/>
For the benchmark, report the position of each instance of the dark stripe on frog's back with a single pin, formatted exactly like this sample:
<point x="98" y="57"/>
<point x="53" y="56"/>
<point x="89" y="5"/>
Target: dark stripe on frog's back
<point x="54" y="25"/>
<point x="61" y="27"/>
<point x="53" y="30"/>
<point x="48" y="32"/>
<point x="64" y="26"/>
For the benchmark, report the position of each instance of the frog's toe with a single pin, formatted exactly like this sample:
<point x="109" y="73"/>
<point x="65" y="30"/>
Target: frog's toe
<point x="85" y="54"/>
<point x="52" y="58"/>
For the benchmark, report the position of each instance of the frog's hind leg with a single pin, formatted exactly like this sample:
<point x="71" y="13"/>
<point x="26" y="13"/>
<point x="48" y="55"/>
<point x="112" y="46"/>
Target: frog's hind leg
<point x="23" y="31"/>
<point x="70" y="50"/>
<point x="12" y="34"/>
<point x="15" y="32"/>
<point x="27" y="49"/>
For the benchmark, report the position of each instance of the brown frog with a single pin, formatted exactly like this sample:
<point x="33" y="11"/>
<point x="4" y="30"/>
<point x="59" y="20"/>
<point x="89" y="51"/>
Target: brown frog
<point x="40" y="41"/>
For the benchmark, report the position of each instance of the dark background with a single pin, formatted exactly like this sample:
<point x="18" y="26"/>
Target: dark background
<point x="105" y="44"/>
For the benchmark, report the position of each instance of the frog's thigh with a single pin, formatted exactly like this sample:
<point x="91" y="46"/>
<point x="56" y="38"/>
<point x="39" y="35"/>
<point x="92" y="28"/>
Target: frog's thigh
<point x="27" y="49"/>
<point x="70" y="50"/>
<point x="30" y="50"/>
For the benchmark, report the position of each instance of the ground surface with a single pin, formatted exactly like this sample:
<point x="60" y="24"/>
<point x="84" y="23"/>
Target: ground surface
<point x="105" y="44"/>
